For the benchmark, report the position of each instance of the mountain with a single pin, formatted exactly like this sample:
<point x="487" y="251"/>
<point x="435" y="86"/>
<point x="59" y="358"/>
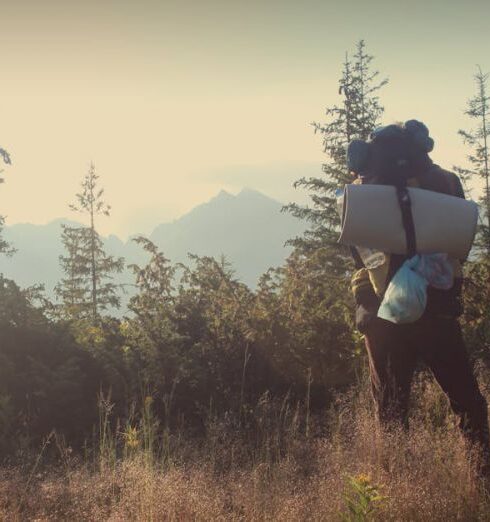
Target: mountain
<point x="248" y="229"/>
<point x="38" y="249"/>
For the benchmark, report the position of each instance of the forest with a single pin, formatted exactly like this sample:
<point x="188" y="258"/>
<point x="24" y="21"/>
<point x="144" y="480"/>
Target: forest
<point x="210" y="400"/>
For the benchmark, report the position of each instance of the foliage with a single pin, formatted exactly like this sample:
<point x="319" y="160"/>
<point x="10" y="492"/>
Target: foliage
<point x="5" y="158"/>
<point x="476" y="319"/>
<point x="190" y="333"/>
<point x="478" y="109"/>
<point x="355" y="117"/>
<point x="87" y="288"/>
<point x="317" y="273"/>
<point x="5" y="247"/>
<point x="74" y="289"/>
<point x="199" y="337"/>
<point x="152" y="345"/>
<point x="46" y="379"/>
<point x="362" y="499"/>
<point x="196" y="340"/>
<point x="302" y="323"/>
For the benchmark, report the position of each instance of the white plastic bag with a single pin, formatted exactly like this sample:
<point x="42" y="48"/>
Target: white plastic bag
<point x="405" y="298"/>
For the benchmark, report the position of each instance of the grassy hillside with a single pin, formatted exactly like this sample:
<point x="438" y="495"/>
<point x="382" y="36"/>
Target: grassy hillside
<point x="333" y="465"/>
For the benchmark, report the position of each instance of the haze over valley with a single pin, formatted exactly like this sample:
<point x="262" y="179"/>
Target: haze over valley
<point x="249" y="229"/>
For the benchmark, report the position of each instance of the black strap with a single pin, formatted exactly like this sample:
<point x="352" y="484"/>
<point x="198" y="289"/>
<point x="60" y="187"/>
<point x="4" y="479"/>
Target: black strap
<point x="407" y="219"/>
<point x="358" y="262"/>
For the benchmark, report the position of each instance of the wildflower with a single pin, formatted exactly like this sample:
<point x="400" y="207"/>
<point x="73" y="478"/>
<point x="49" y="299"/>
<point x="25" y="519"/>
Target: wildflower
<point x="362" y="498"/>
<point x="131" y="437"/>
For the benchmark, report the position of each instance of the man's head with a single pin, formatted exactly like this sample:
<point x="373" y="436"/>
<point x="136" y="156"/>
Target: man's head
<point x="392" y="154"/>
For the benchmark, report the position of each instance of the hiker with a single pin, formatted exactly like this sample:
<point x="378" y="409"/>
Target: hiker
<point x="399" y="155"/>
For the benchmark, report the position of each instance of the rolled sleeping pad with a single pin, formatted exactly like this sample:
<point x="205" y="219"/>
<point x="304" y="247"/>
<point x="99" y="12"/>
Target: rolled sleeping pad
<point x="371" y="218"/>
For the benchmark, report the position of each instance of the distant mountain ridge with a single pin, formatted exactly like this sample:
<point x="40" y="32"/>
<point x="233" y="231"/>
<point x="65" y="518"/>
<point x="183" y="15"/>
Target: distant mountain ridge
<point x="249" y="229"/>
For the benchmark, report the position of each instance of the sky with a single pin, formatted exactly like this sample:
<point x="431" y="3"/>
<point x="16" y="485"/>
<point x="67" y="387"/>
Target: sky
<point x="175" y="100"/>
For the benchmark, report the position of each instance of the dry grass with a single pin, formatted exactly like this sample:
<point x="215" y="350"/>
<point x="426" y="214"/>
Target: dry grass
<point x="279" y="474"/>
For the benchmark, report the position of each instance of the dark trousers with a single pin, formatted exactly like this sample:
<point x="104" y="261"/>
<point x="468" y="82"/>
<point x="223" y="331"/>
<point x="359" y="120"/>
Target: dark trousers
<point x="394" y="351"/>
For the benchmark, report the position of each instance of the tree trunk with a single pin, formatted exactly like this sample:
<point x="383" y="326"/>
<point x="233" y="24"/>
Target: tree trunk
<point x="93" y="267"/>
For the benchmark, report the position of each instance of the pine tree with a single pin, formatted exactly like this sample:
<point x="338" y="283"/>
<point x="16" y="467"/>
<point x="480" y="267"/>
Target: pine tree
<point x="5" y="247"/>
<point x="356" y="116"/>
<point x="478" y="138"/>
<point x="6" y="159"/>
<point x="73" y="290"/>
<point x="476" y="321"/>
<point x="323" y="264"/>
<point x="88" y="287"/>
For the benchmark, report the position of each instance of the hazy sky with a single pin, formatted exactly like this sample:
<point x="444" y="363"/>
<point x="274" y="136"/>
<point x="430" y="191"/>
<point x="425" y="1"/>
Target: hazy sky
<point x="175" y="100"/>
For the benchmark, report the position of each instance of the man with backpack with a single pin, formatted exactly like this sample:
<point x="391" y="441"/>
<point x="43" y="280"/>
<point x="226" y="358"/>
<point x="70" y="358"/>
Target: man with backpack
<point x="399" y="155"/>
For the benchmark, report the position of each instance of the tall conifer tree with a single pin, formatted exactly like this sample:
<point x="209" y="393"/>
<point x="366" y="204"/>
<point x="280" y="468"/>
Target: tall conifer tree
<point x="355" y="117"/>
<point x="74" y="289"/>
<point x="478" y="138"/>
<point x="477" y="270"/>
<point x="314" y="281"/>
<point x="88" y="286"/>
<point x="5" y="247"/>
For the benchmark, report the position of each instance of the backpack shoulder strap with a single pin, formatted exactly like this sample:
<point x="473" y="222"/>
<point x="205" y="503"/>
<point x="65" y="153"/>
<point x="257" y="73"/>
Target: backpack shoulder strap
<point x="407" y="219"/>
